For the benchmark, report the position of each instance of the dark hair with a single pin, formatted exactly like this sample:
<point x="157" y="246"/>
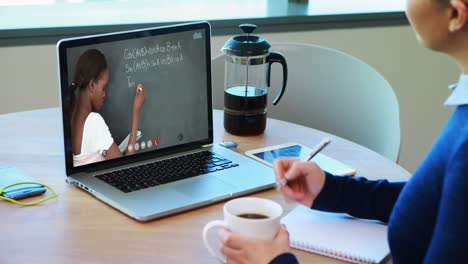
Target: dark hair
<point x="90" y="66"/>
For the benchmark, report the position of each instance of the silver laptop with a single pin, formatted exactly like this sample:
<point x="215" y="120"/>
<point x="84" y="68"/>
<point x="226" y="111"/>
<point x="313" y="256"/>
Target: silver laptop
<point x="163" y="161"/>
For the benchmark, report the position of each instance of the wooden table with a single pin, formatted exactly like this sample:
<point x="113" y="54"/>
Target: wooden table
<point x="77" y="228"/>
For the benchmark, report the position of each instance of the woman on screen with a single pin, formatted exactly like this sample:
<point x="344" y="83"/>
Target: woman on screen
<point x="427" y="215"/>
<point x="91" y="138"/>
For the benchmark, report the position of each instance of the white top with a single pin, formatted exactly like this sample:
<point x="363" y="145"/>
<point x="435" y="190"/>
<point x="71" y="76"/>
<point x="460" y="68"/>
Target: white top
<point x="96" y="138"/>
<point x="459" y="95"/>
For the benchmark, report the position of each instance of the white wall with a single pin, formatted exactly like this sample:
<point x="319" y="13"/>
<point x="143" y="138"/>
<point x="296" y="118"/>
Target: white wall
<point x="419" y="77"/>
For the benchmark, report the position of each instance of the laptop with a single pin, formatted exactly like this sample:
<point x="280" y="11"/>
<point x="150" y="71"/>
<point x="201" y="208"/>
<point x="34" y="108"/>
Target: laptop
<point x="167" y="162"/>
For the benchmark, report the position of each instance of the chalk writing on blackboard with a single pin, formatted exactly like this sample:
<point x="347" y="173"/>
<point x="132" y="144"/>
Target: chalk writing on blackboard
<point x="147" y="58"/>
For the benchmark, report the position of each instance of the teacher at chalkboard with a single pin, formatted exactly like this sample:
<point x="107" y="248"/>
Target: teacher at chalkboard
<point x="91" y="138"/>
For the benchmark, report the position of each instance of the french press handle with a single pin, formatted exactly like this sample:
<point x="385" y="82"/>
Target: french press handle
<point x="277" y="57"/>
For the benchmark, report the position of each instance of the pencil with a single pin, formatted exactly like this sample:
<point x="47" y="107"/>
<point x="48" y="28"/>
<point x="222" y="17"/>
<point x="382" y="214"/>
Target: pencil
<point x="321" y="145"/>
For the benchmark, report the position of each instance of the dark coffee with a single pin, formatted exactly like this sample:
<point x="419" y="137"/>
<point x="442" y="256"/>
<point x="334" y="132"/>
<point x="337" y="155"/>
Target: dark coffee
<point x="252" y="216"/>
<point x="245" y="110"/>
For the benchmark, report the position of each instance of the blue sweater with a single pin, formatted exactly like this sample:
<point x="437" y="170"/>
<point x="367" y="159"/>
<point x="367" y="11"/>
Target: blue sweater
<point x="427" y="216"/>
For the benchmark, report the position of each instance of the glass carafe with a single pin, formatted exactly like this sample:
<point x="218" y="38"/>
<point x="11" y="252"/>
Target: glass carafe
<point x="247" y="79"/>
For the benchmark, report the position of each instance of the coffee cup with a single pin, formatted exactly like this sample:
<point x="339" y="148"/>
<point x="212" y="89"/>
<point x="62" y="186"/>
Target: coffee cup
<point x="248" y="216"/>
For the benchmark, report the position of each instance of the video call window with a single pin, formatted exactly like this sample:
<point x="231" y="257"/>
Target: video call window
<point x="137" y="95"/>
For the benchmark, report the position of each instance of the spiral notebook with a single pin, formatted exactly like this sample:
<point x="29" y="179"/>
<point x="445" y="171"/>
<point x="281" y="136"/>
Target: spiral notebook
<point x="337" y="235"/>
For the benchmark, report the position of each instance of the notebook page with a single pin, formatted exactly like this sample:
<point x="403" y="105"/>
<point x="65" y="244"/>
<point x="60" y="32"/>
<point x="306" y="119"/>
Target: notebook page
<point x="338" y="234"/>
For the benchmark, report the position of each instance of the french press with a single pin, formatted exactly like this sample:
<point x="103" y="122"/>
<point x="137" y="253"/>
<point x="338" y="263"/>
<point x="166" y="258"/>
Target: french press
<point x="247" y="80"/>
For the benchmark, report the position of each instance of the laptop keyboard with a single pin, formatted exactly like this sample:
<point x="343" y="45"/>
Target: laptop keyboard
<point x="165" y="171"/>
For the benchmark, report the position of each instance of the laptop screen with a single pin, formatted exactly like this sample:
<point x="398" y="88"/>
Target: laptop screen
<point x="128" y="94"/>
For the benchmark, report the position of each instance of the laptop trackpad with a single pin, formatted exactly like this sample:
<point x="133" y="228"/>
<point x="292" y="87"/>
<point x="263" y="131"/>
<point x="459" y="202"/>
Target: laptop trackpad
<point x="205" y="187"/>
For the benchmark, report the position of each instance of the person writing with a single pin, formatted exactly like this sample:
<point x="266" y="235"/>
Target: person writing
<point x="91" y="138"/>
<point x="427" y="216"/>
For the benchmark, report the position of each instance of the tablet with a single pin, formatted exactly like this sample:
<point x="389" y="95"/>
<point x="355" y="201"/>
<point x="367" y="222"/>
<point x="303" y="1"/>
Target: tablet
<point x="268" y="154"/>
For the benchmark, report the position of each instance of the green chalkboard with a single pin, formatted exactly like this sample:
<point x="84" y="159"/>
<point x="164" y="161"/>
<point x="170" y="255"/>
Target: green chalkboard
<point x="172" y="68"/>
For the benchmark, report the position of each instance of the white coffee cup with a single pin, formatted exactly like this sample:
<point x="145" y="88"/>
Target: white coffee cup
<point x="237" y="218"/>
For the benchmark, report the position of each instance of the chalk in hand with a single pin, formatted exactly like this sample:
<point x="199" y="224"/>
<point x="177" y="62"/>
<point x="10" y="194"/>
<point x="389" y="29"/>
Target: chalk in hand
<point x="139" y="88"/>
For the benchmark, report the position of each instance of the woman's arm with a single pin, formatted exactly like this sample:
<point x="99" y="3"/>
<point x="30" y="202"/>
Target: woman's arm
<point x="139" y="99"/>
<point x="358" y="197"/>
<point x="285" y="258"/>
<point x="309" y="185"/>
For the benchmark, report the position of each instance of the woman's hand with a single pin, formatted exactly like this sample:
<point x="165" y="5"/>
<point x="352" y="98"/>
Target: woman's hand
<point x="242" y="250"/>
<point x="305" y="179"/>
<point x="139" y="99"/>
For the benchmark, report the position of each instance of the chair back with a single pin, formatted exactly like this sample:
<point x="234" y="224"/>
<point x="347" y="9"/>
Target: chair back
<point x="331" y="91"/>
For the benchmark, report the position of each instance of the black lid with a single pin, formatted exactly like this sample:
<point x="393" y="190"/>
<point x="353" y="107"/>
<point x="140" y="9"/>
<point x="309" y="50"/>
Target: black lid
<point x="246" y="45"/>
